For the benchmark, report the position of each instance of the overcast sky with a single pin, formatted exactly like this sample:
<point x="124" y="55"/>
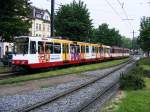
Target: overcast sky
<point x="110" y="12"/>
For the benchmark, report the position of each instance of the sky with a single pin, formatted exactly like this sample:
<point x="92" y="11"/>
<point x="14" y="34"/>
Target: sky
<point x="123" y="15"/>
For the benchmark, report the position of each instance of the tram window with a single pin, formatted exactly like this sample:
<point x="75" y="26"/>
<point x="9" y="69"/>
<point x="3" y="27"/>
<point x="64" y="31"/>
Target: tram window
<point x="101" y="50"/>
<point x="21" y="45"/>
<point x="93" y="49"/>
<point x="57" y="48"/>
<point x="6" y="49"/>
<point x="40" y="47"/>
<point x="110" y="50"/>
<point x="64" y="48"/>
<point x="115" y="50"/>
<point x="49" y="48"/>
<point x="106" y="50"/>
<point x="97" y="50"/>
<point x="82" y="49"/>
<point x="32" y="47"/>
<point x="78" y="49"/>
<point x="67" y="48"/>
<point x="72" y="49"/>
<point x="87" y="49"/>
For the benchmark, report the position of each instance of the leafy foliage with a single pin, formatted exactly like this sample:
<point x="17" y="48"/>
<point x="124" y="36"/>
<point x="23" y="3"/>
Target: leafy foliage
<point x="103" y="34"/>
<point x="144" y="61"/>
<point x="133" y="79"/>
<point x="126" y="42"/>
<point x="144" y="38"/>
<point x="73" y="21"/>
<point x="145" y="65"/>
<point x="13" y="18"/>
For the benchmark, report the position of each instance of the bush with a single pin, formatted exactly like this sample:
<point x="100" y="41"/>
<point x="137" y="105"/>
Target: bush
<point x="144" y="61"/>
<point x="132" y="81"/>
<point x="145" y="65"/>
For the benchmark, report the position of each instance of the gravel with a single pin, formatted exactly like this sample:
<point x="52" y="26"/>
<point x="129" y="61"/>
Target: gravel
<point x="69" y="103"/>
<point x="97" y="105"/>
<point x="13" y="102"/>
<point x="74" y="102"/>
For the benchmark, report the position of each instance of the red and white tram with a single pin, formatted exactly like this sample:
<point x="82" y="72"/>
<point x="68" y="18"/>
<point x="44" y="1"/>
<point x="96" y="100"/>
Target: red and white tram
<point x="37" y="52"/>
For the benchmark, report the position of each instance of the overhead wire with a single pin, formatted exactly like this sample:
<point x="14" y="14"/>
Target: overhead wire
<point x="125" y="13"/>
<point x="115" y="11"/>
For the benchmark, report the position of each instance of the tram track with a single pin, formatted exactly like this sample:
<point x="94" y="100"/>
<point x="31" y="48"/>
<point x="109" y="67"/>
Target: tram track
<point x="112" y="87"/>
<point x="72" y="90"/>
<point x="7" y="75"/>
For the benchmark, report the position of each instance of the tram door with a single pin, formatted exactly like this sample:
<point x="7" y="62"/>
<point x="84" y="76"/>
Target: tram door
<point x="65" y="52"/>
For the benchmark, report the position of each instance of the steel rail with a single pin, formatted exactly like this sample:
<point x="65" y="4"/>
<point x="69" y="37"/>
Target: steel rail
<point x="100" y="95"/>
<point x="9" y="75"/>
<point x="65" y="93"/>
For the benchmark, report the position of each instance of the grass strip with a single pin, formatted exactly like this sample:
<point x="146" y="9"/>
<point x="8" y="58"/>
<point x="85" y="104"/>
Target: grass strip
<point x="136" y="101"/>
<point x="130" y="101"/>
<point x="63" y="71"/>
<point x="5" y="69"/>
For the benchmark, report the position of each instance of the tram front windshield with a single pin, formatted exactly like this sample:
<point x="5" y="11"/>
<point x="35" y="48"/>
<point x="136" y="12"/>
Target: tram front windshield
<point x="21" y="45"/>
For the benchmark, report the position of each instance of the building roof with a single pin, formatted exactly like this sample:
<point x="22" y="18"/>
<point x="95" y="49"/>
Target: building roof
<point x="38" y="13"/>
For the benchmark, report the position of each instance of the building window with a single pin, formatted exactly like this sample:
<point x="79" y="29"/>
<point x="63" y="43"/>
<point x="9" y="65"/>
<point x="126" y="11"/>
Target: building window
<point x="39" y="27"/>
<point x="47" y="27"/>
<point x="36" y="26"/>
<point x="46" y="17"/>
<point x="43" y="27"/>
<point x="38" y="15"/>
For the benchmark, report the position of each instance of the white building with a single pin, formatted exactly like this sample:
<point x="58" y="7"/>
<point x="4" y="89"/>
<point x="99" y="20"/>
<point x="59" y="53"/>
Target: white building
<point x="5" y="47"/>
<point x="40" y="23"/>
<point x="40" y="27"/>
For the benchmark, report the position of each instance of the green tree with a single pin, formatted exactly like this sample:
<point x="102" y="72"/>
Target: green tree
<point x="135" y="44"/>
<point x="144" y="37"/>
<point x="73" y="20"/>
<point x="14" y="18"/>
<point x="126" y="42"/>
<point x="103" y="34"/>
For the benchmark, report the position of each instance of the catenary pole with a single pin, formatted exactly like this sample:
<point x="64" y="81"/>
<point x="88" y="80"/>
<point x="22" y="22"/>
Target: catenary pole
<point x="52" y="17"/>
